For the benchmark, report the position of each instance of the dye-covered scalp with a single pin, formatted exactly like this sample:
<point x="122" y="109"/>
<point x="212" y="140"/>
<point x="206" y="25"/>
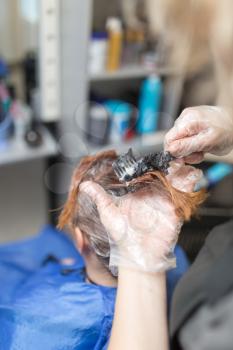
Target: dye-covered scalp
<point x="79" y="211"/>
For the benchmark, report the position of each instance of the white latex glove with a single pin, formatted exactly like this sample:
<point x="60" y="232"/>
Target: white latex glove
<point x="199" y="130"/>
<point x="142" y="226"/>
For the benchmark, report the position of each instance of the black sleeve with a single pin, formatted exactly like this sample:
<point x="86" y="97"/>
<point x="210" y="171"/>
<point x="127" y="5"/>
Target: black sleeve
<point x="190" y="293"/>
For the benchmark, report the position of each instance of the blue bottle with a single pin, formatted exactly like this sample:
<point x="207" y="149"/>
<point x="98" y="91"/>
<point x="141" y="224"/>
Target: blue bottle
<point x="214" y="175"/>
<point x="149" y="105"/>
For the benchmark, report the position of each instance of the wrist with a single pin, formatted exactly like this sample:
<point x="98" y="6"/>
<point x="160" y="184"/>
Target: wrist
<point x="139" y="265"/>
<point x="127" y="275"/>
<point x="140" y="311"/>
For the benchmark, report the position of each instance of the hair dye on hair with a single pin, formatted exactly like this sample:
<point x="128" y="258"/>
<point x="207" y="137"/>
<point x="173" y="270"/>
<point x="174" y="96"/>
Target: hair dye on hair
<point x="79" y="210"/>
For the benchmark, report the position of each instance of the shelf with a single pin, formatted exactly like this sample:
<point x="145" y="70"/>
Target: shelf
<point x="149" y="143"/>
<point x="140" y="144"/>
<point x="133" y="72"/>
<point x="18" y="151"/>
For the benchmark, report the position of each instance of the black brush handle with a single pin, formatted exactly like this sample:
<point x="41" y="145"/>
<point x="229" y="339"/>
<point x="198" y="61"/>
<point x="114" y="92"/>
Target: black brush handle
<point x="153" y="161"/>
<point x="158" y="161"/>
<point x="127" y="167"/>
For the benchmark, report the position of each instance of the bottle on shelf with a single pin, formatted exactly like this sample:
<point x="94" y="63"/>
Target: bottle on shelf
<point x="119" y="113"/>
<point x="98" y="52"/>
<point x="115" y="36"/>
<point x="133" y="47"/>
<point x="149" y="105"/>
<point x="97" y="124"/>
<point x="213" y="175"/>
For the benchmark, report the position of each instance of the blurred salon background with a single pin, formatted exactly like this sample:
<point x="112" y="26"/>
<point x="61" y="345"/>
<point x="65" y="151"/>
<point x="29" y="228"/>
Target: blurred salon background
<point x="78" y="76"/>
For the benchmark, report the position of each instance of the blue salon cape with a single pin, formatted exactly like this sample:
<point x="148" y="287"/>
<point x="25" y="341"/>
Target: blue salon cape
<point x="45" y="305"/>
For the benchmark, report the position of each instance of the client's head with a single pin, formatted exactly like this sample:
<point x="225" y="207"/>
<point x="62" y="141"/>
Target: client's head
<point x="80" y="214"/>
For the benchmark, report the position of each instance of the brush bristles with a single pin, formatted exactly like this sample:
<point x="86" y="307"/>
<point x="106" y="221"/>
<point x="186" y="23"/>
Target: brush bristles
<point x="127" y="168"/>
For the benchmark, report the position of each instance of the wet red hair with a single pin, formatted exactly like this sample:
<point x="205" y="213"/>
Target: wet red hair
<point x="98" y="168"/>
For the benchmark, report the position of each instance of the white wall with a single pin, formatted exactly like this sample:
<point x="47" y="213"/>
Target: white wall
<point x="23" y="204"/>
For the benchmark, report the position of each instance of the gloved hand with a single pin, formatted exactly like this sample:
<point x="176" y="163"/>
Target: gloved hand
<point x="183" y="177"/>
<point x="199" y="130"/>
<point x="143" y="226"/>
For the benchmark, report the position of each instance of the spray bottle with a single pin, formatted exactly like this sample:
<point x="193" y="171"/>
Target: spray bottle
<point x="149" y="105"/>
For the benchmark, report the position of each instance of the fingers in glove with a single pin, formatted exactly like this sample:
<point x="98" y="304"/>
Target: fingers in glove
<point x="185" y="178"/>
<point x="106" y="208"/>
<point x="194" y="158"/>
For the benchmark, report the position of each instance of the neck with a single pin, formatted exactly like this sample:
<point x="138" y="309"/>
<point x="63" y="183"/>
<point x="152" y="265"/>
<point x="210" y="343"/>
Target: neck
<point x="98" y="274"/>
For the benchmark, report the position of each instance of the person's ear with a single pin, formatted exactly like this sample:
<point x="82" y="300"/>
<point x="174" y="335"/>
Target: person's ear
<point x="79" y="240"/>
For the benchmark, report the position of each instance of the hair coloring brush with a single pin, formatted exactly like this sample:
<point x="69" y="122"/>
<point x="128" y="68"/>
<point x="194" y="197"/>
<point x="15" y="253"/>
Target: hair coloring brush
<point x="127" y="167"/>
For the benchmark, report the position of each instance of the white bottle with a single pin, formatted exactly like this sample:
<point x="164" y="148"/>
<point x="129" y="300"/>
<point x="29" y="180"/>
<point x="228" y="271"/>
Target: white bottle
<point x="98" y="52"/>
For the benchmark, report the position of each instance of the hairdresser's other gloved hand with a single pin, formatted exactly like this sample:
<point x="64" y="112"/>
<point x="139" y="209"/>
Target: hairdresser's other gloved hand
<point x="143" y="226"/>
<point x="183" y="177"/>
<point x="200" y="130"/>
